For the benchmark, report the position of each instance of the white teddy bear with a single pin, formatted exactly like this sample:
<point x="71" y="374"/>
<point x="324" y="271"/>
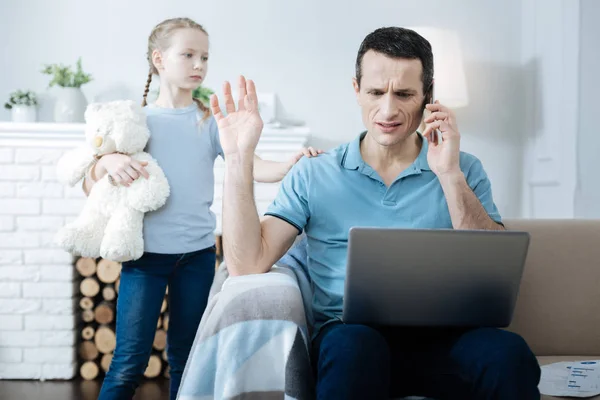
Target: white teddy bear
<point x="110" y="224"/>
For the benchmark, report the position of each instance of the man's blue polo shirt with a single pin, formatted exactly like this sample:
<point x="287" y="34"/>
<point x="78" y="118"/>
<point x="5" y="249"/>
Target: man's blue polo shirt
<point x="327" y="195"/>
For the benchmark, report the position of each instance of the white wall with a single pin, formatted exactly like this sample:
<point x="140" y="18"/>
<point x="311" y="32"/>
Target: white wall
<point x="587" y="196"/>
<point x="550" y="51"/>
<point x="305" y="51"/>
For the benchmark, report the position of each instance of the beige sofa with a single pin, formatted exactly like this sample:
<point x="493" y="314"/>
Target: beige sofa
<point x="557" y="312"/>
<point x="558" y="309"/>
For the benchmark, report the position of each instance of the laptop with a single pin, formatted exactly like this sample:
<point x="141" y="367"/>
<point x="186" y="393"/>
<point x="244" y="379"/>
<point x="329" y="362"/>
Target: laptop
<point x="433" y="277"/>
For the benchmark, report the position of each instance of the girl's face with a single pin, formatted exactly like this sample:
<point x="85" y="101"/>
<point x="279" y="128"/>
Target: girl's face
<point x="185" y="62"/>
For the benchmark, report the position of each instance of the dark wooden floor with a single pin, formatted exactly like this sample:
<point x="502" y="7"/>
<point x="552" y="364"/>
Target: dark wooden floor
<point x="75" y="390"/>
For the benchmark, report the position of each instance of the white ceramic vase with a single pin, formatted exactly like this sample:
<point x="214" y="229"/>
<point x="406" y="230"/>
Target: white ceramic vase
<point x="23" y="113"/>
<point x="70" y="105"/>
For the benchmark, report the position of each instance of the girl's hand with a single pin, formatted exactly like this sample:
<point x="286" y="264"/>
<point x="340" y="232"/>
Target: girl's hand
<point x="122" y="168"/>
<point x="305" y="151"/>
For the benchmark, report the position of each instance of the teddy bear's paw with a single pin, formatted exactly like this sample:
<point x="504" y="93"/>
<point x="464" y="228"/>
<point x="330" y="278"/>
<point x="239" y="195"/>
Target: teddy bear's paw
<point x="121" y="251"/>
<point x="64" y="239"/>
<point x="148" y="195"/>
<point x="79" y="241"/>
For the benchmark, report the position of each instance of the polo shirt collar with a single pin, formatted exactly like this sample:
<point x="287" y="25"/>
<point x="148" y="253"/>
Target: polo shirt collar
<point x="353" y="159"/>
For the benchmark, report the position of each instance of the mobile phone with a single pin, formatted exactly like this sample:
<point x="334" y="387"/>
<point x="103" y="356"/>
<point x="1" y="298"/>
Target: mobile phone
<point x="436" y="134"/>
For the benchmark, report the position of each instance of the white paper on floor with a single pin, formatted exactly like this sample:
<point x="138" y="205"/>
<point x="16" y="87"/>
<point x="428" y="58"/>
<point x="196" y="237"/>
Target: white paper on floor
<point x="574" y="379"/>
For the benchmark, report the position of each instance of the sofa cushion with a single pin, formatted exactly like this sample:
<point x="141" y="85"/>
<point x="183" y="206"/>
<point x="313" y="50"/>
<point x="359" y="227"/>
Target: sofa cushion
<point x="557" y="309"/>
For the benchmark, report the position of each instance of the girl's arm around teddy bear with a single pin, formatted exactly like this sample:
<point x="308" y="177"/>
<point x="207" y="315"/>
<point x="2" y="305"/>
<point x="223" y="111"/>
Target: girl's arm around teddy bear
<point x="121" y="167"/>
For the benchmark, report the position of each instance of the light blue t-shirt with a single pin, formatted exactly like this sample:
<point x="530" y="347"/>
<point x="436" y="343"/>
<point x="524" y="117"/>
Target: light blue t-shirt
<point x="327" y="195"/>
<point x="185" y="147"/>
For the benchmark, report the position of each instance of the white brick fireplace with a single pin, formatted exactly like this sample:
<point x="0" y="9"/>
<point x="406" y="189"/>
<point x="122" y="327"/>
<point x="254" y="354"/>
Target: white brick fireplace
<point x="38" y="308"/>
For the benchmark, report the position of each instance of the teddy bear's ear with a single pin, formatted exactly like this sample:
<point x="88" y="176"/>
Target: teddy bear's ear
<point x="136" y="111"/>
<point x="130" y="135"/>
<point x="92" y="109"/>
<point x="126" y="107"/>
<point x="135" y="107"/>
<point x="130" y="131"/>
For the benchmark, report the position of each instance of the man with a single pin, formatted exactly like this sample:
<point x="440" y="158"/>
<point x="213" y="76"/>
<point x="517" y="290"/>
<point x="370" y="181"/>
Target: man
<point x="389" y="176"/>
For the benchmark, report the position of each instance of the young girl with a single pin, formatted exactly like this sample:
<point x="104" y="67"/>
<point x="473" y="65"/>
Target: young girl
<point x="179" y="237"/>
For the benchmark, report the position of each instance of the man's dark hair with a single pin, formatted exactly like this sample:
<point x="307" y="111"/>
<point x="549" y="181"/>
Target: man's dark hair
<point x="398" y="42"/>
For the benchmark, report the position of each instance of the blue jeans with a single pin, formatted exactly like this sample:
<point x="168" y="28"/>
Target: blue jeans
<point x="360" y="362"/>
<point x="141" y="292"/>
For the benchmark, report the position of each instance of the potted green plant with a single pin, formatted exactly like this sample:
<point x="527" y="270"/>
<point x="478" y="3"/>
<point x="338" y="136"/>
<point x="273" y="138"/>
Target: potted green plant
<point x="23" y="106"/>
<point x="70" y="101"/>
<point x="203" y="94"/>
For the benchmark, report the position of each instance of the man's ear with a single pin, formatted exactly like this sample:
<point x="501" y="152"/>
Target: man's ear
<point x="356" y="86"/>
<point x="426" y="101"/>
<point x="428" y="97"/>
